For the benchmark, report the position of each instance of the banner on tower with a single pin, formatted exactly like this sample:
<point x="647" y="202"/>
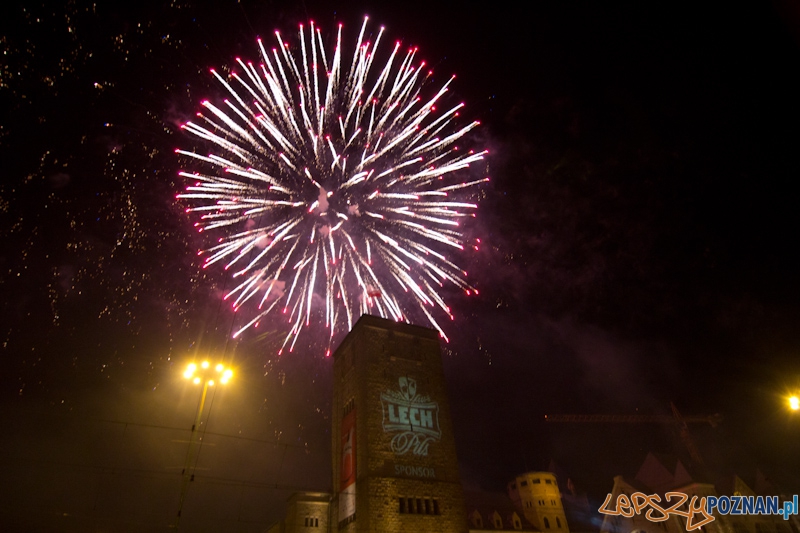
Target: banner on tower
<point x="347" y="476"/>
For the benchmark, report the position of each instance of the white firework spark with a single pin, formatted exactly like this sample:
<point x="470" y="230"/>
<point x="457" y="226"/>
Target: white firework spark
<point x="331" y="186"/>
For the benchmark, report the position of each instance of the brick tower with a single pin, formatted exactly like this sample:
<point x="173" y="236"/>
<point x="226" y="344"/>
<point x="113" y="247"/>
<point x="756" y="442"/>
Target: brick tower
<point x="394" y="457"/>
<point x="538" y="496"/>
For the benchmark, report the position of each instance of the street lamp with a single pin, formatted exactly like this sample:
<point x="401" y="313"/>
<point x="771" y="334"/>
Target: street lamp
<point x="208" y="375"/>
<point x="794" y="402"/>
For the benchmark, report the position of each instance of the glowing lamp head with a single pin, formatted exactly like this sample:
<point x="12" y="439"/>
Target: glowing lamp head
<point x="190" y="369"/>
<point x="196" y="381"/>
<point x="219" y="367"/>
<point x="204" y="364"/>
<point x="794" y="403"/>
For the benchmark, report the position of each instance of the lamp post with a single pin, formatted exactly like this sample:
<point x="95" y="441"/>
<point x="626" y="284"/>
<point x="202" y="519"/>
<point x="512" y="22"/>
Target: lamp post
<point x="794" y="402"/>
<point x="208" y="376"/>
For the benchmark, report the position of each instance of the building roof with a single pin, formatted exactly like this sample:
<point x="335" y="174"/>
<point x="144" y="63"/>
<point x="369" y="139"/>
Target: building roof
<point x="487" y="503"/>
<point x="323" y="497"/>
<point x="662" y="472"/>
<point x="386" y="324"/>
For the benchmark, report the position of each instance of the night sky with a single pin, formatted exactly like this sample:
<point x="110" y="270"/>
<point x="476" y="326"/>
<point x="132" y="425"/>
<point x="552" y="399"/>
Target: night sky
<point x="640" y="247"/>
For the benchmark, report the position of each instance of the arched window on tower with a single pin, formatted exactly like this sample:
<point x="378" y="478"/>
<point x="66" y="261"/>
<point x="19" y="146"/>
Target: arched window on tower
<point x="546" y="523"/>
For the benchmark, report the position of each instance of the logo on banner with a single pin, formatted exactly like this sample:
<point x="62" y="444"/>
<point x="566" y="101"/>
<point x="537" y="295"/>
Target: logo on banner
<point x="412" y="419"/>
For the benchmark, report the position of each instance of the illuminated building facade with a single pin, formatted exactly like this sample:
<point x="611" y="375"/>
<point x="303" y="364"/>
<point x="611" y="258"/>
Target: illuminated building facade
<point x="305" y="511"/>
<point x="394" y="456"/>
<point x="537" y="495"/>
<point x="393" y="453"/>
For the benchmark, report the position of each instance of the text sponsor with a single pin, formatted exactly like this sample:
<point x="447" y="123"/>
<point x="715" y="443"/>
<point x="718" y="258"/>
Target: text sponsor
<point x="697" y="510"/>
<point x="416" y="471"/>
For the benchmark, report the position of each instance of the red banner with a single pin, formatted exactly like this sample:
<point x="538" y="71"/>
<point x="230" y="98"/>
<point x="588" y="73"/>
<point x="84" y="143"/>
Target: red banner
<point x="347" y="476"/>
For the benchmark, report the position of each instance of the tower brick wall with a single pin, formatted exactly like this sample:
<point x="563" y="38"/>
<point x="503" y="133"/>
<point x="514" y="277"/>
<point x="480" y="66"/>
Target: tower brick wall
<point x="394" y="457"/>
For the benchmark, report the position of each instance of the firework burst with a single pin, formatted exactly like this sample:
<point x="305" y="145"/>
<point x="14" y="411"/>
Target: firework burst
<point x="334" y="188"/>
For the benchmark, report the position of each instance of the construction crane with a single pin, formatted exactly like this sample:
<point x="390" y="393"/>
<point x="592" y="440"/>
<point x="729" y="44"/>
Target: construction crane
<point x="681" y="422"/>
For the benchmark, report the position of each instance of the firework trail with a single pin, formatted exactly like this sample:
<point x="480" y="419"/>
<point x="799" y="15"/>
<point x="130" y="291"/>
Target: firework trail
<point x="332" y="186"/>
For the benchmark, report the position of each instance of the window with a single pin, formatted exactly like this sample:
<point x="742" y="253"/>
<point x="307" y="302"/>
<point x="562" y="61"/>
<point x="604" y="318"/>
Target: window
<point x="418" y="506"/>
<point x="311" y="522"/>
<point x="350" y="405"/>
<point x="523" y="484"/>
<point x="552" y="502"/>
<point x="548" y="481"/>
<point x="558" y="522"/>
<point x="546" y="523"/>
<point x="498" y="522"/>
<point x="537" y="481"/>
<point x="349" y="520"/>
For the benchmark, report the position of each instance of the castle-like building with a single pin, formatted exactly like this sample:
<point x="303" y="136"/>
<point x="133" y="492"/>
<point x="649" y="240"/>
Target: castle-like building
<point x="537" y="494"/>
<point x="394" y="459"/>
<point x="395" y="467"/>
<point x="394" y="456"/>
